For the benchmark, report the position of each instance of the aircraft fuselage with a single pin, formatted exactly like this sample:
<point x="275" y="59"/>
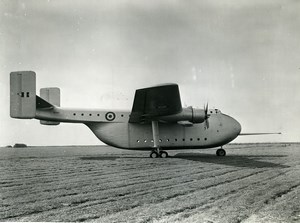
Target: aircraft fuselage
<point x="114" y="128"/>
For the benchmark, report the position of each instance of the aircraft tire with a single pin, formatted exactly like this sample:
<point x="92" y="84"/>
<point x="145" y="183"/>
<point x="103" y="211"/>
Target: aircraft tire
<point x="154" y="154"/>
<point x="163" y="154"/>
<point x="221" y="152"/>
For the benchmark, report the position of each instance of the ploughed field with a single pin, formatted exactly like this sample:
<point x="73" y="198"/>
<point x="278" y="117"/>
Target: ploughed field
<point x="253" y="183"/>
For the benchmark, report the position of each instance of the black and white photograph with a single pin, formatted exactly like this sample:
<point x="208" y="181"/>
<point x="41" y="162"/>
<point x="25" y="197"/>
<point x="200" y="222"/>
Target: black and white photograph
<point x="150" y="111"/>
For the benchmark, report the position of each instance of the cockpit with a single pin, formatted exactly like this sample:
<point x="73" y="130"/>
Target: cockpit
<point x="214" y="111"/>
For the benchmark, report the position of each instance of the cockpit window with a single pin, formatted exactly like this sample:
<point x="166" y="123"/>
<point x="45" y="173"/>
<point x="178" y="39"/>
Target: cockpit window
<point x="214" y="111"/>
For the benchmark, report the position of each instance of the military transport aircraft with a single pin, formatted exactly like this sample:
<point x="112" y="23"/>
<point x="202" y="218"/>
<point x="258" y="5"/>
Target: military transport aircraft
<point x="157" y="121"/>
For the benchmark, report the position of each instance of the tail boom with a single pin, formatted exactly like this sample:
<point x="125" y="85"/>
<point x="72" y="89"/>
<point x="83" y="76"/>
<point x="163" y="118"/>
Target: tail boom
<point x="25" y="104"/>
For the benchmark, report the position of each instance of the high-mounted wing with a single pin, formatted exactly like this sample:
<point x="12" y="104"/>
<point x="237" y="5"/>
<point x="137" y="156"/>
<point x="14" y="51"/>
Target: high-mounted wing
<point x="156" y="101"/>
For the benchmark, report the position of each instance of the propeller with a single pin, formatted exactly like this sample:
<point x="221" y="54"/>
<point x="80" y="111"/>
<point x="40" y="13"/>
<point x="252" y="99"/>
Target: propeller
<point x="206" y="116"/>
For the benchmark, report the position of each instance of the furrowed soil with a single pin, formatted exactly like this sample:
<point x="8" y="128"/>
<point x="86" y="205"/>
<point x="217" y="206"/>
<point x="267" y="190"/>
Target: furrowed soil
<point x="253" y="183"/>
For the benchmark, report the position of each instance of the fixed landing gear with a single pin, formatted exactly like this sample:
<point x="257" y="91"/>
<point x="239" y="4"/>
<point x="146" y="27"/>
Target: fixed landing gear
<point x="153" y="154"/>
<point x="221" y="152"/>
<point x="156" y="152"/>
<point x="161" y="154"/>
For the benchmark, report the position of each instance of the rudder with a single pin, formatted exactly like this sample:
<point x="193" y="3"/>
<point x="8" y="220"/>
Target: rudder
<point x="22" y="94"/>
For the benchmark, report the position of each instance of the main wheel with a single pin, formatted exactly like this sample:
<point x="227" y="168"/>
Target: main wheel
<point x="221" y="152"/>
<point x="163" y="154"/>
<point x="153" y="154"/>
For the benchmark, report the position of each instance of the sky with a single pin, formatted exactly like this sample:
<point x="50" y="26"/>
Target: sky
<point x="242" y="57"/>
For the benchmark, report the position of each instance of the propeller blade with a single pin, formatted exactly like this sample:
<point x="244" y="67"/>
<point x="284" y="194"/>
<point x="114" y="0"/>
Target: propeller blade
<point x="205" y="109"/>
<point x="206" y="115"/>
<point x="206" y="123"/>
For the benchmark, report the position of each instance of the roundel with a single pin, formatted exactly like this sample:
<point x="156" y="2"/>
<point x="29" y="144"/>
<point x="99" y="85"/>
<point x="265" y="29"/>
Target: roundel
<point x="110" y="116"/>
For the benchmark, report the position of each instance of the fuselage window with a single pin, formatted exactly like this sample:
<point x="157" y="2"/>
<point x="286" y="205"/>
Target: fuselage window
<point x="145" y="140"/>
<point x="183" y="139"/>
<point x="205" y="139"/>
<point x="90" y="114"/>
<point x="160" y="140"/>
<point x="82" y="114"/>
<point x="137" y="140"/>
<point x="175" y="140"/>
<point x="191" y="139"/>
<point x="168" y="140"/>
<point x="98" y="114"/>
<point x="74" y="113"/>
<point x="198" y="139"/>
<point x="122" y="115"/>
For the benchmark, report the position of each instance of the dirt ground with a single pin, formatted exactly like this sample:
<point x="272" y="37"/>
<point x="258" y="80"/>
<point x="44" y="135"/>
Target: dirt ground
<point x="253" y="183"/>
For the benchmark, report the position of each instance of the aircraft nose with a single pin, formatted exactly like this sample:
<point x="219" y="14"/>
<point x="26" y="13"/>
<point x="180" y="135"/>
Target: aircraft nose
<point x="237" y="127"/>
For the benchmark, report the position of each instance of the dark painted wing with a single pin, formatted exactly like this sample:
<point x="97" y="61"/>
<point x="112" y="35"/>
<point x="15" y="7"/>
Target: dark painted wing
<point x="153" y="102"/>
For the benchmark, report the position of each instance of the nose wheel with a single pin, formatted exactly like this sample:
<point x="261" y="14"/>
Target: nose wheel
<point x="156" y="154"/>
<point x="221" y="152"/>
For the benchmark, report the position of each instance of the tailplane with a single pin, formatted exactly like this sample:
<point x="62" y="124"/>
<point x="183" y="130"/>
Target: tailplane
<point x="23" y="99"/>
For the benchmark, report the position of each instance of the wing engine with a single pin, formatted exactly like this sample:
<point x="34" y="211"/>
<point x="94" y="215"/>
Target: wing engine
<point x="188" y="114"/>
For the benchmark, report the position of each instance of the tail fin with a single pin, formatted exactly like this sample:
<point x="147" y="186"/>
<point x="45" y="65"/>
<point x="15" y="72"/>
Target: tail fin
<point x="22" y="94"/>
<point x="52" y="97"/>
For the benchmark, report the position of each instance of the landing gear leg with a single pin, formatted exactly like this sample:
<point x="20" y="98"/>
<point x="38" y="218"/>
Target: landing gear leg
<point x="221" y="152"/>
<point x="156" y="151"/>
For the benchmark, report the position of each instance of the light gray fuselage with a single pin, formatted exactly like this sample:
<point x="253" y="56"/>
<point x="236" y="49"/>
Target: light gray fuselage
<point x="122" y="134"/>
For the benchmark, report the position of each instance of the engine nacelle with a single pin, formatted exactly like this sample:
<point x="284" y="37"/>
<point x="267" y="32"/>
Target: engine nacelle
<point x="190" y="114"/>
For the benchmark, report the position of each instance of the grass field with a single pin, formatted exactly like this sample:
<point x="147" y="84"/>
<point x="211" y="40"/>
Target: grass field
<point x="253" y="183"/>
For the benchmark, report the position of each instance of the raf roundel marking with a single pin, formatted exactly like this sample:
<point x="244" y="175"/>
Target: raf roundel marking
<point x="110" y="116"/>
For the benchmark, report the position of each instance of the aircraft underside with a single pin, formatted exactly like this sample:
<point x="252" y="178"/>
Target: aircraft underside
<point x="222" y="130"/>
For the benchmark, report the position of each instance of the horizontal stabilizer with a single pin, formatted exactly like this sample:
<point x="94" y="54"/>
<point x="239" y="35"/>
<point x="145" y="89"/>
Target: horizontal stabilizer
<point x="42" y="104"/>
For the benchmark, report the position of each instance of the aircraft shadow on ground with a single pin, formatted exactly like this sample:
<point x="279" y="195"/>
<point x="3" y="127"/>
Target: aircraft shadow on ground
<point x="251" y="161"/>
<point x="112" y="158"/>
